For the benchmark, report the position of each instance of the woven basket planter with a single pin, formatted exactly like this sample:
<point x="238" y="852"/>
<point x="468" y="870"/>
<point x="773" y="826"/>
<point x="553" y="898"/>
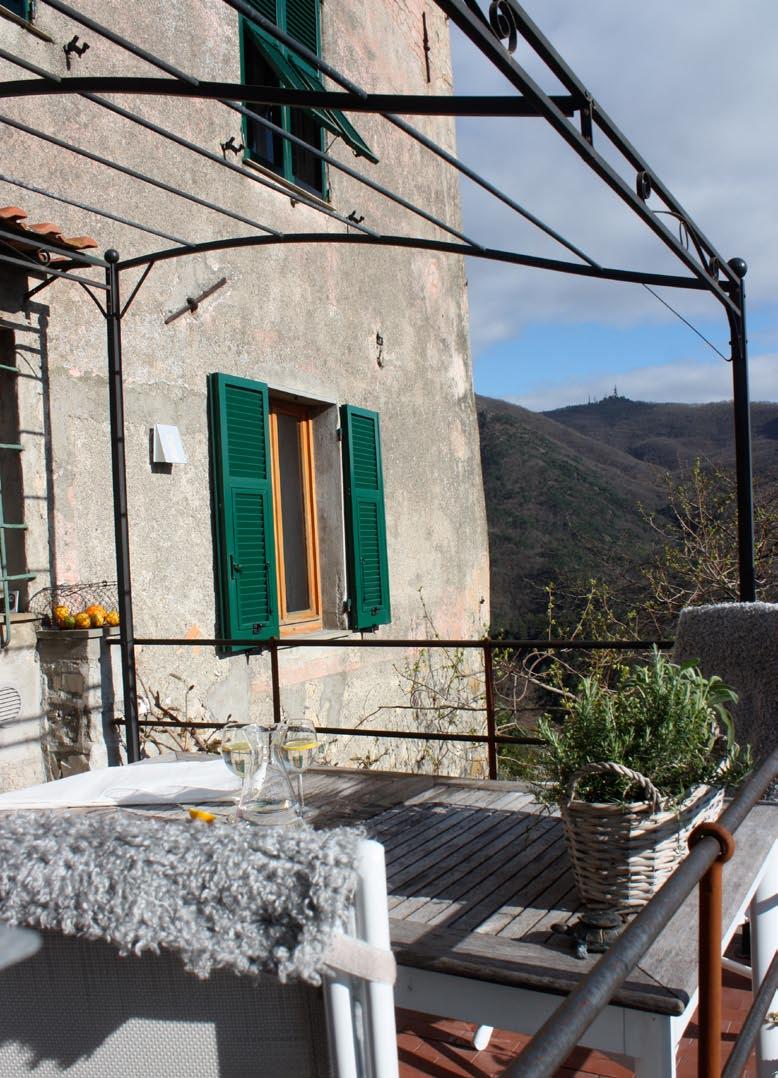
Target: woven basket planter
<point x="622" y="854"/>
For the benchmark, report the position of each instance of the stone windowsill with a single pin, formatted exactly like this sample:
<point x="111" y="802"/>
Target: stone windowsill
<point x="319" y="634"/>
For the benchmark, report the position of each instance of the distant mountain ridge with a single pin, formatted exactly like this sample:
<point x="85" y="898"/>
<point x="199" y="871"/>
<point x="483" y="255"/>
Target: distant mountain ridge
<point x="564" y="488"/>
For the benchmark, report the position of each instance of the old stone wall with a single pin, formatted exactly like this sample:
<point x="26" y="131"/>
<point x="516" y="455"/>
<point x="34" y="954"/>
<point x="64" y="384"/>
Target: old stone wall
<point x="81" y="701"/>
<point x="307" y="320"/>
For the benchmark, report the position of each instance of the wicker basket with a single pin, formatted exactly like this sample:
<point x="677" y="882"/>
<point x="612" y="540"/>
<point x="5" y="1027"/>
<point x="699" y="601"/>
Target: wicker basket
<point x="622" y="854"/>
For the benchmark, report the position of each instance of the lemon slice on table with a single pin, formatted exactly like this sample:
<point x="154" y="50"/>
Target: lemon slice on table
<point x="201" y="814"/>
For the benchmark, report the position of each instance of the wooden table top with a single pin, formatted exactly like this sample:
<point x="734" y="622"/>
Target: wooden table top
<point x="478" y="875"/>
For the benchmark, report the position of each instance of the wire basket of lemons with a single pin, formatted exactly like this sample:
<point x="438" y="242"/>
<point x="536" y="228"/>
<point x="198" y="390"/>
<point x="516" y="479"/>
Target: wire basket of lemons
<point x="77" y="606"/>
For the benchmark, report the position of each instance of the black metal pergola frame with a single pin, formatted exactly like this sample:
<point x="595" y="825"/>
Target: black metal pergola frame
<point x="576" y="117"/>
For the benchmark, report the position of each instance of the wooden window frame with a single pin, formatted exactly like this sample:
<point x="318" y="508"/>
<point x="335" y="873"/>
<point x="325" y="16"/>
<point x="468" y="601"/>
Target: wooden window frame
<point x="310" y="620"/>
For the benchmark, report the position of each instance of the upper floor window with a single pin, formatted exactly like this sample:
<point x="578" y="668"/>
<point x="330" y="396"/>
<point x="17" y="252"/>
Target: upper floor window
<point x="267" y="62"/>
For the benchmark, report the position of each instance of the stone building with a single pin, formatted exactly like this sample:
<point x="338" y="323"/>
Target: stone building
<point x="328" y="357"/>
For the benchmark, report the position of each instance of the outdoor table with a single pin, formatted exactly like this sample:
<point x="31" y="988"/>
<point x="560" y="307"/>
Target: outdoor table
<point x="478" y="875"/>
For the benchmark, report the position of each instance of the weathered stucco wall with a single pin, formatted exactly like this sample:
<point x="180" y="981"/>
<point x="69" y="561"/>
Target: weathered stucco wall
<point x="303" y="319"/>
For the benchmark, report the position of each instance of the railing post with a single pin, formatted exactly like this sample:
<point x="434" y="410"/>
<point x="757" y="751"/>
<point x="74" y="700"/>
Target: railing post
<point x="491" y="726"/>
<point x="710" y="932"/>
<point x="276" y="681"/>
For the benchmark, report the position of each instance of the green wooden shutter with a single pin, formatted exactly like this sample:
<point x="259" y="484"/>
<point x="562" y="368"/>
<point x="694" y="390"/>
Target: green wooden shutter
<point x="368" y="567"/>
<point x="240" y="454"/>
<point x="302" y="23"/>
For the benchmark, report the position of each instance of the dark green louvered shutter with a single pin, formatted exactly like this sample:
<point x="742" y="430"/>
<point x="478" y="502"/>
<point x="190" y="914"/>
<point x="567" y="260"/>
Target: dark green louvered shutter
<point x="302" y="23"/>
<point x="240" y="453"/>
<point x="368" y="567"/>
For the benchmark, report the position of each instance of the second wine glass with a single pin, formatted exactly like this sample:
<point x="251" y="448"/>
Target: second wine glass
<point x="299" y="742"/>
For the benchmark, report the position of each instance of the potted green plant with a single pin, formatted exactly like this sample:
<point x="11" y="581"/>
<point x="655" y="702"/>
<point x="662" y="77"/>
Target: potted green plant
<point x="633" y="768"/>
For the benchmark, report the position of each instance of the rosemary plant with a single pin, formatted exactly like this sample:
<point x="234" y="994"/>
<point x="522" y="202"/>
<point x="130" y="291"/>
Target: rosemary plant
<point x="664" y="720"/>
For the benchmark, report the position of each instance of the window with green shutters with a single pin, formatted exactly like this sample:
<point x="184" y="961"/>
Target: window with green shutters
<point x="261" y="543"/>
<point x="366" y="553"/>
<point x="267" y="62"/>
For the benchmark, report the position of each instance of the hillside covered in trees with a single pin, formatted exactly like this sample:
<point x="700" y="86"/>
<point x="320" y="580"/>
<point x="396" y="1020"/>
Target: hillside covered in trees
<point x="570" y="493"/>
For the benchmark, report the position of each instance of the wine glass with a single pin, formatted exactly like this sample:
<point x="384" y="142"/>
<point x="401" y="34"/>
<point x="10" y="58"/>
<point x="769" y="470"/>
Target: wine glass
<point x="243" y="751"/>
<point x="298" y="743"/>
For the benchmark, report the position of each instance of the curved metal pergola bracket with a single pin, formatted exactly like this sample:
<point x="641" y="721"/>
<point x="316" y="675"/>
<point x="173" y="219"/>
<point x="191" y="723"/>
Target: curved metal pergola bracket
<point x="604" y="273"/>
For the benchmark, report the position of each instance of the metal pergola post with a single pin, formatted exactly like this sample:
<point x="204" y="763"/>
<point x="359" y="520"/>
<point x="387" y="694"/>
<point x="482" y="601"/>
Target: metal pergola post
<point x="743" y="464"/>
<point x="113" y="323"/>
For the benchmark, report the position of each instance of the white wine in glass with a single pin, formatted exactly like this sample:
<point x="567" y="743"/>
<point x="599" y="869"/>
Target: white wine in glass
<point x="299" y="743"/>
<point x="244" y="754"/>
<point x="236" y="750"/>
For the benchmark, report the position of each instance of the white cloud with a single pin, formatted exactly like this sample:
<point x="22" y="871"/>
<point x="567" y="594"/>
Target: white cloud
<point x="693" y="86"/>
<point x="688" y="382"/>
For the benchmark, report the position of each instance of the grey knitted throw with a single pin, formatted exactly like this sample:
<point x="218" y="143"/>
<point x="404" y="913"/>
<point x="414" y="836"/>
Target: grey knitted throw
<point x="739" y="642"/>
<point x="245" y="898"/>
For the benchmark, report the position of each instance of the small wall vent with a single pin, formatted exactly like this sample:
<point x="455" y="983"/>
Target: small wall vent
<point x="10" y="704"/>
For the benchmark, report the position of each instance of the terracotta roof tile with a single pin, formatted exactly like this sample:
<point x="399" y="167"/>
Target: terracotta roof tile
<point x="12" y="219"/>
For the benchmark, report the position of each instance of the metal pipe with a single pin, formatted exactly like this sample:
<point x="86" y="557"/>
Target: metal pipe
<point x="709" y="950"/>
<point x="372" y="185"/>
<point x="491" y="728"/>
<point x="471" y="174"/>
<point x="470" y="105"/>
<point x="755" y="1019"/>
<point x="120" y="511"/>
<point x="38" y="269"/>
<point x="132" y="172"/>
<point x="276" y="682"/>
<point x="345" y="731"/>
<point x="346" y="642"/>
<point x="93" y="209"/>
<point x="743" y="464"/>
<point x="209" y="155"/>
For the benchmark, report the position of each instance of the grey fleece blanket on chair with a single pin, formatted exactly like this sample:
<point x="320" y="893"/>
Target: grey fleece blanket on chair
<point x="244" y="898"/>
<point x="739" y="642"/>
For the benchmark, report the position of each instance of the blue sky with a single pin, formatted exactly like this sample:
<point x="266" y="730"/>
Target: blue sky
<point x="694" y="87"/>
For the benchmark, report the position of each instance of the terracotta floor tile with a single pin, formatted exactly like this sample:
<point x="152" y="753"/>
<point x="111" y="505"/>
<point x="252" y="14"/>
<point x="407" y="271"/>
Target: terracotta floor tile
<point x="444" y="1046"/>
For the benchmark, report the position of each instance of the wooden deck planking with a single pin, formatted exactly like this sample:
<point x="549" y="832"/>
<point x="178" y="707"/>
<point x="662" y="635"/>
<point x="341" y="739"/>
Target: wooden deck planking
<point x="509" y="881"/>
<point x="443" y="823"/>
<point x="458" y="857"/>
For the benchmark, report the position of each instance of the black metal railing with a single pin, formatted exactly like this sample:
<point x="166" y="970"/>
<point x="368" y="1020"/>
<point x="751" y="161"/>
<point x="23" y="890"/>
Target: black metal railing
<point x="491" y="737"/>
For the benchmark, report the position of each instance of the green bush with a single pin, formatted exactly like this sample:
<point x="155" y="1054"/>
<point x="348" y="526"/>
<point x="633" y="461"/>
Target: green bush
<point x="664" y="720"/>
